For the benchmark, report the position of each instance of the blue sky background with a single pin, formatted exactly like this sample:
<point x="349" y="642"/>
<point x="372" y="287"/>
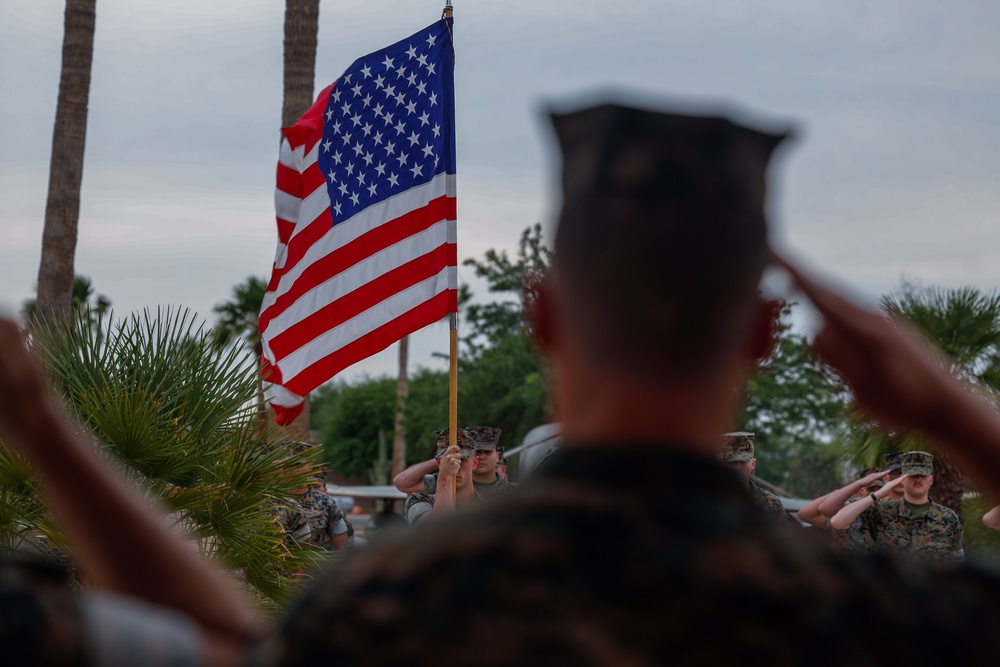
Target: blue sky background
<point x="893" y="174"/>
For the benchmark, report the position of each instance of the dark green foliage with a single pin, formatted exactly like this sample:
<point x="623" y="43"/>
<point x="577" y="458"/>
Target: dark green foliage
<point x="82" y="290"/>
<point x="238" y="316"/>
<point x="964" y="324"/>
<point x="176" y="411"/>
<point x="982" y="544"/>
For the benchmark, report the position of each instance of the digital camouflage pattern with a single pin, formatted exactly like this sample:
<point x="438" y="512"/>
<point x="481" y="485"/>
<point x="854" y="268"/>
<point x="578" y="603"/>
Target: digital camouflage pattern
<point x="892" y="461"/>
<point x="857" y="538"/>
<point x="324" y="516"/>
<point x="687" y="552"/>
<point x="486" y="437"/>
<point x="417" y="505"/>
<point x="767" y="502"/>
<point x="935" y="535"/>
<point x="464" y="440"/>
<point x="737" y="447"/>
<point x="291" y="520"/>
<point x="917" y="463"/>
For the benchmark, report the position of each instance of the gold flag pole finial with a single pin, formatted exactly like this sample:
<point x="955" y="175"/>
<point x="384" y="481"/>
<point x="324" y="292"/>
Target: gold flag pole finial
<point x="446" y="13"/>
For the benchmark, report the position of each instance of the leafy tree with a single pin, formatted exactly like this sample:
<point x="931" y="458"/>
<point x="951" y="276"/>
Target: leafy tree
<point x="964" y="324"/>
<point x="795" y="407"/>
<point x="176" y="411"/>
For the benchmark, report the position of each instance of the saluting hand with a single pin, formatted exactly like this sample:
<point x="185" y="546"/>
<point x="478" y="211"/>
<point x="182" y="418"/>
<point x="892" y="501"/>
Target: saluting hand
<point x="896" y="376"/>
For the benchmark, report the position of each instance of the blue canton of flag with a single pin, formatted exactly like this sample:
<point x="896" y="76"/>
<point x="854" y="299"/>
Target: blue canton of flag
<point x="389" y="121"/>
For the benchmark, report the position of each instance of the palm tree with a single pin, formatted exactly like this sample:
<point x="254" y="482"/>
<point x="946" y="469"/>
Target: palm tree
<point x="177" y="412"/>
<point x="62" y="206"/>
<point x="238" y="316"/>
<point x="238" y="321"/>
<point x="83" y="289"/>
<point x="964" y="324"/>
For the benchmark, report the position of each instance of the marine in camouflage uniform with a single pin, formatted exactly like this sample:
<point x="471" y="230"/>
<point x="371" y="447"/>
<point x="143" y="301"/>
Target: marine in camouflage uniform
<point x="291" y="520"/>
<point x="487" y="442"/>
<point x="419" y="504"/>
<point x="686" y="546"/>
<point x="325" y="518"/>
<point x="858" y="537"/>
<point x="737" y="452"/>
<point x="693" y="574"/>
<point x="929" y="529"/>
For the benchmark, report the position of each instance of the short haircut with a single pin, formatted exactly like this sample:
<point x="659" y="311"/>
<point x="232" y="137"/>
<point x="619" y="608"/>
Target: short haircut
<point x="662" y="239"/>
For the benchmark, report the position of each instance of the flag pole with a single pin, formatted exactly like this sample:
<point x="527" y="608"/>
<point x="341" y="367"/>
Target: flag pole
<point x="453" y="393"/>
<point x="453" y="356"/>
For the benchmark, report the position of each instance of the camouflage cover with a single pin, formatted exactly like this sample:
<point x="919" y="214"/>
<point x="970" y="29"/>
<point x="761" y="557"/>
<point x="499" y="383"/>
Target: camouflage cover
<point x="917" y="463"/>
<point x="737" y="446"/>
<point x="464" y="440"/>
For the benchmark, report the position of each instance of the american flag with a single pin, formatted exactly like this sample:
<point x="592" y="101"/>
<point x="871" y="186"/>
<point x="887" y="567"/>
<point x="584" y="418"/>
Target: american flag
<point x="365" y="203"/>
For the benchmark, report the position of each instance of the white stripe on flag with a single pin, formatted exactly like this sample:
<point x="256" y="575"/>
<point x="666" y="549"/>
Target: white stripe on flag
<point x="358" y="275"/>
<point x="357" y="327"/>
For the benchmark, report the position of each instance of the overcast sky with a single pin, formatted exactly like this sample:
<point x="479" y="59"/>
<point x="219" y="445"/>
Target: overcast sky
<point x="893" y="174"/>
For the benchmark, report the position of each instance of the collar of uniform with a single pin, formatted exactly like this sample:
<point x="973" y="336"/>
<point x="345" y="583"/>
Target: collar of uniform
<point x="652" y="470"/>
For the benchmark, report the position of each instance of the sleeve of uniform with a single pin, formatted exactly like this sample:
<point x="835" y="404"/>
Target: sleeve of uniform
<point x="958" y="552"/>
<point x="337" y="525"/>
<point x="417" y="505"/>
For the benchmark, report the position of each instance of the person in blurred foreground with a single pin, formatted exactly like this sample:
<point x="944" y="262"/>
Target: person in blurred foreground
<point x="631" y="544"/>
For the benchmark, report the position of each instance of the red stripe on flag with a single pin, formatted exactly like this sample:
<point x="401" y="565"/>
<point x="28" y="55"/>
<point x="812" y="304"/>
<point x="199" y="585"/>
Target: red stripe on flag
<point x="364" y="246"/>
<point x="285" y="229"/>
<point x="377" y="340"/>
<point x="309" y="129"/>
<point x="358" y="301"/>
<point x="289" y="180"/>
<point x="312" y="179"/>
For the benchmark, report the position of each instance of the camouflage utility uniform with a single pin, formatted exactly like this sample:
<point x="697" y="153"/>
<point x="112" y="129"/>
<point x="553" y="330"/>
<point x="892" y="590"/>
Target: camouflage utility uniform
<point x="856" y="538"/>
<point x="325" y="518"/>
<point x="767" y="501"/>
<point x="935" y="535"/>
<point x="418" y="504"/>
<point x="291" y="520"/>
<point x="687" y="546"/>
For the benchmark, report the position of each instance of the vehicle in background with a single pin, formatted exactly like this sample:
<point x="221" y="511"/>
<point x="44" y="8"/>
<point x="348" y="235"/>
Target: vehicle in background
<point x="538" y="443"/>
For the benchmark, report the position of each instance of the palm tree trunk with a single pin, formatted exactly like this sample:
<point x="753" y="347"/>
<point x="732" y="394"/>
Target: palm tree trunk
<point x="62" y="206"/>
<point x="301" y="30"/>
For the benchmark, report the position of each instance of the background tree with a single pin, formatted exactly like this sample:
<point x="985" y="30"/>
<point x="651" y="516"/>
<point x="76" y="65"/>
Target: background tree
<point x="964" y="324"/>
<point x="238" y="316"/>
<point x="81" y="302"/>
<point x="62" y="205"/>
<point x="176" y="412"/>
